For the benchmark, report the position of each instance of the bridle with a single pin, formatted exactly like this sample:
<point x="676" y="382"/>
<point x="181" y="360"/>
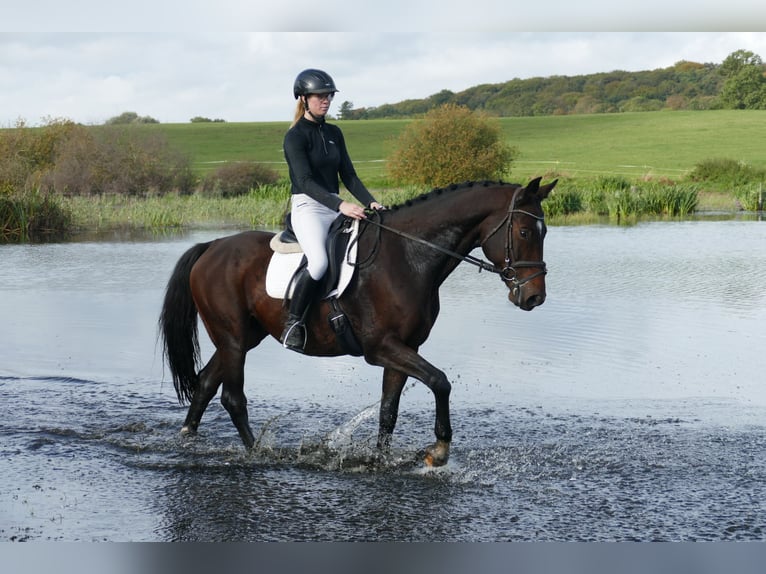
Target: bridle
<point x="508" y="274"/>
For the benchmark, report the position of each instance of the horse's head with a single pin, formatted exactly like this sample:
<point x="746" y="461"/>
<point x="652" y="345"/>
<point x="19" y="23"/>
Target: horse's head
<point x="515" y="245"/>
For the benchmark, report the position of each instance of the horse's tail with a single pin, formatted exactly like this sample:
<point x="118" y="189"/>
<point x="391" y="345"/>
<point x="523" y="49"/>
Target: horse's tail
<point x="178" y="326"/>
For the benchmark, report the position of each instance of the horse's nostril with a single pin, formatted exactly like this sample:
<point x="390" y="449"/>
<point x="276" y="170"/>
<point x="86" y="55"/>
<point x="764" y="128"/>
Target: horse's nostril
<point x="535" y="301"/>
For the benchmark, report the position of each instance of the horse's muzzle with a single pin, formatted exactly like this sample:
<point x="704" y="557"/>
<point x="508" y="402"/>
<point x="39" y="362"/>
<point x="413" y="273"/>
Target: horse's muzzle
<point x="528" y="302"/>
<point x="529" y="292"/>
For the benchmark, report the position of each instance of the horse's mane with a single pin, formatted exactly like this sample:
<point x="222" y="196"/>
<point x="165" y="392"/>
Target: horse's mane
<point x="439" y="191"/>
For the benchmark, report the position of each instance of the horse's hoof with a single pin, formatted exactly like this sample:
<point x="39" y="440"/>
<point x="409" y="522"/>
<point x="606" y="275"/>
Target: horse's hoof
<point x="437" y="454"/>
<point x="187" y="431"/>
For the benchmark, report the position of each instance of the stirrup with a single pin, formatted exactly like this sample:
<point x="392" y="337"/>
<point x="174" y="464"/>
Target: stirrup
<point x="299" y="337"/>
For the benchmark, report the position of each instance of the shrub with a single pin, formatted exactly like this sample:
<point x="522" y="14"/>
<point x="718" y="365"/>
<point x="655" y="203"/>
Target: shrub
<point x="68" y="158"/>
<point x="239" y="178"/>
<point x="726" y="172"/>
<point x="27" y="153"/>
<point x="118" y="160"/>
<point x="451" y="144"/>
<point x="14" y="165"/>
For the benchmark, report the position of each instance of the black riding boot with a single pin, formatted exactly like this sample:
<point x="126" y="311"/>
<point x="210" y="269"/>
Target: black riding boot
<point x="294" y="335"/>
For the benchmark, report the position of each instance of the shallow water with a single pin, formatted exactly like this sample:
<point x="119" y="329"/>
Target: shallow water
<point x="630" y="406"/>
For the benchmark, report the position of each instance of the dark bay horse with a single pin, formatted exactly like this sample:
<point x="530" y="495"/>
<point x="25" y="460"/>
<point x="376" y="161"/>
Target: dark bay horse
<point x="404" y="254"/>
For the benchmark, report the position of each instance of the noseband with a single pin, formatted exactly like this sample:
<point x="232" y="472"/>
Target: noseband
<point x="509" y="271"/>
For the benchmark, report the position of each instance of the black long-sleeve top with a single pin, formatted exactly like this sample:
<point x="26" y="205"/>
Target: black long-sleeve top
<point x="316" y="155"/>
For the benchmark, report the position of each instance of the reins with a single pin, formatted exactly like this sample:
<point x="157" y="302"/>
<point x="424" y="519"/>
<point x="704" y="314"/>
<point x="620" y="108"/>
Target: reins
<point x="507" y="273"/>
<point x="480" y="263"/>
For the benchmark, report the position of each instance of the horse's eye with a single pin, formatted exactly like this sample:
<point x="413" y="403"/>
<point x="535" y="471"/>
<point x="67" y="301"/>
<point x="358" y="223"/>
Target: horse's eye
<point x="524" y="233"/>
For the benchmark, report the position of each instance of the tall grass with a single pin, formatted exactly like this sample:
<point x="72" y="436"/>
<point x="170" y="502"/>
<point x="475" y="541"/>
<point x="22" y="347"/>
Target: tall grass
<point x="619" y="202"/>
<point x="751" y="197"/>
<point x="33" y="216"/>
<point x="262" y="207"/>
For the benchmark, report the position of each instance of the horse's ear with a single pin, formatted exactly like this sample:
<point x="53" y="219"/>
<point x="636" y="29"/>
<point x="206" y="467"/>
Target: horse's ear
<point x="535" y="190"/>
<point x="533" y="185"/>
<point x="544" y="190"/>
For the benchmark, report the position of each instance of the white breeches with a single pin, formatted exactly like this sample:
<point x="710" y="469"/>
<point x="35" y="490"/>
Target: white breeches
<point x="311" y="223"/>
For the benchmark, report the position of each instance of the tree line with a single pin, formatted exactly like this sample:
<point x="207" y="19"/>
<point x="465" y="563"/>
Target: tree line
<point x="739" y="82"/>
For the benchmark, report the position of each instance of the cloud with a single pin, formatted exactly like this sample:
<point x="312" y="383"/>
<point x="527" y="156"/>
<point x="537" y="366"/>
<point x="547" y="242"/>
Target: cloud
<point x="248" y="76"/>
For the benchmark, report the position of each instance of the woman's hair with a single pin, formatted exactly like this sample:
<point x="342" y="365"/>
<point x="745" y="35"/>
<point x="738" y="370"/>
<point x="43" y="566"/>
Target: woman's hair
<point x="300" y="109"/>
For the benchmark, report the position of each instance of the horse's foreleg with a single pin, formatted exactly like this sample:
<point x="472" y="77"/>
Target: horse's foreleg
<point x="393" y="383"/>
<point x="397" y="356"/>
<point x="233" y="396"/>
<point x="209" y="381"/>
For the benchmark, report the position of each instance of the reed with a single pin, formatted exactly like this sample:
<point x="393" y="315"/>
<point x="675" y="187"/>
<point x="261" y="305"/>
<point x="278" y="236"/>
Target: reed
<point x="751" y="197"/>
<point x="33" y="216"/>
<point x="262" y="207"/>
<point x="563" y="202"/>
<point x="618" y="200"/>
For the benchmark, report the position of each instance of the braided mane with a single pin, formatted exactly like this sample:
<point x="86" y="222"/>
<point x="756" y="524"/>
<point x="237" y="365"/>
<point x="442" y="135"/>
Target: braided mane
<point x="438" y="191"/>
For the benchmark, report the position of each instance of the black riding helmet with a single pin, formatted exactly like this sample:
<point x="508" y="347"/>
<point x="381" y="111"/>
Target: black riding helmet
<point x="313" y="81"/>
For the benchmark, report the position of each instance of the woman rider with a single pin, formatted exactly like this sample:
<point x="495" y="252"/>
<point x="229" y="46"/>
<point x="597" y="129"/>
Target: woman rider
<point x="316" y="155"/>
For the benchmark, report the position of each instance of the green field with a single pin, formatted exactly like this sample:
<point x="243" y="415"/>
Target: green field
<point x="654" y="144"/>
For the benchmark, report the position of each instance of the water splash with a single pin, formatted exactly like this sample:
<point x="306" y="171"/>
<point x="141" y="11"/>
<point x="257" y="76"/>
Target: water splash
<point x="342" y="436"/>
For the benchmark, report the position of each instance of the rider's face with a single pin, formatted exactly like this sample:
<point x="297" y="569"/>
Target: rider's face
<point x="319" y="104"/>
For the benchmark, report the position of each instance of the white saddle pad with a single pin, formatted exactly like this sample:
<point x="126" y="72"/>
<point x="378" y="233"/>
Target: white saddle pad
<point x="283" y="265"/>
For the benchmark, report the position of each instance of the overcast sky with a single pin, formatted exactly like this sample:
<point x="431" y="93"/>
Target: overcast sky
<point x="56" y="70"/>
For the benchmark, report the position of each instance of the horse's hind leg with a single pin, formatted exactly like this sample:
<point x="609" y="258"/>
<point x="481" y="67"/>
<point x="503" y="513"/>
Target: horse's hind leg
<point x="209" y="380"/>
<point x="393" y="384"/>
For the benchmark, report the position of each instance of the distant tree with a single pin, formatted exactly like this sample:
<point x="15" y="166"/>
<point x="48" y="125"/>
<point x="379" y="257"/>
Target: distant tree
<point x="123" y="118"/>
<point x="130" y="118"/>
<point x="612" y="91"/>
<point x="737" y="60"/>
<point x="745" y="85"/>
<point x="443" y="97"/>
<point x="202" y="119"/>
<point x="346" y="111"/>
<point x="676" y="102"/>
